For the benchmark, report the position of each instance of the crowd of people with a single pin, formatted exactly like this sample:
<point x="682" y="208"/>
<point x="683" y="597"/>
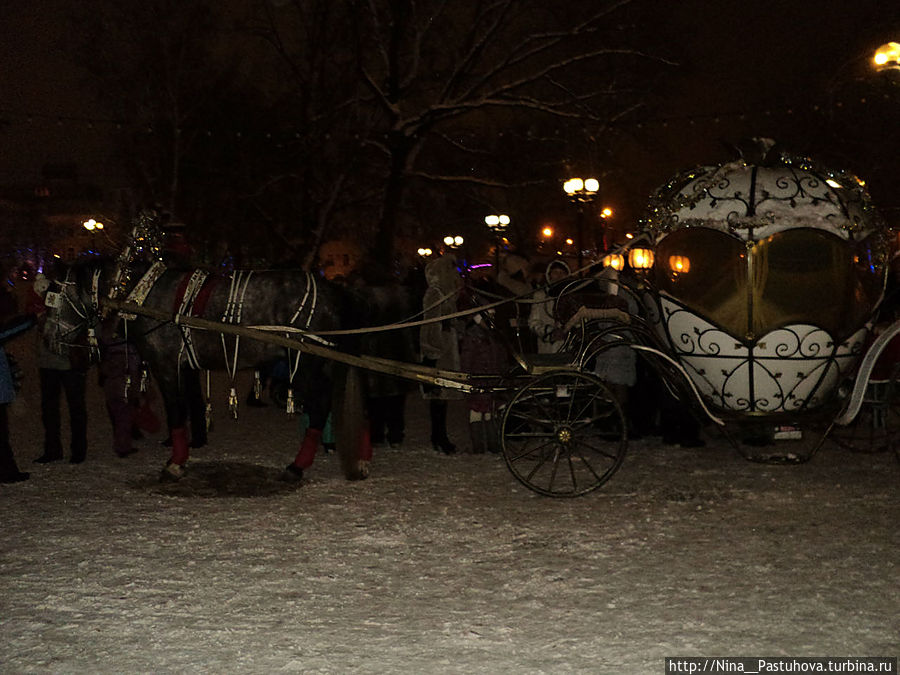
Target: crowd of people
<point x="541" y="320"/>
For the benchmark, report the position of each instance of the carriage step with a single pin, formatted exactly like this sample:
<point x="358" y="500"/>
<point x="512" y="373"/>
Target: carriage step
<point x="537" y="364"/>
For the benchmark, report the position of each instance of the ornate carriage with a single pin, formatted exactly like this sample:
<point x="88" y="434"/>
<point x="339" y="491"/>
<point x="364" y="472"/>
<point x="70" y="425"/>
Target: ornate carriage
<point x="760" y="284"/>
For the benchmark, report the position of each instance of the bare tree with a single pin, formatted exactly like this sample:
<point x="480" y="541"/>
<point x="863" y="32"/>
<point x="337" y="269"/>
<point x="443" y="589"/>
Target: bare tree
<point x="164" y="69"/>
<point x="431" y="81"/>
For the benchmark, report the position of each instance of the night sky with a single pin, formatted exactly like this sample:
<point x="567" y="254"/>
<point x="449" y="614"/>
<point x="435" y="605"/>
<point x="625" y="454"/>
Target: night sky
<point x="761" y="59"/>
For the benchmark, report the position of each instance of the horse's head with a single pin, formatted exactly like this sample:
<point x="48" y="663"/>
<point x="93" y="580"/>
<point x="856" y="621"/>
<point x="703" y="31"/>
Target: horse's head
<point x="71" y="299"/>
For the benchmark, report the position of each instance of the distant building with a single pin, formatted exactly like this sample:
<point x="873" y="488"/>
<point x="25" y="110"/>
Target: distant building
<point x="44" y="221"/>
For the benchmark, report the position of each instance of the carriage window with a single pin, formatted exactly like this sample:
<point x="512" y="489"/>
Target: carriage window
<point x="814" y="276"/>
<point x="706" y="270"/>
<point x="795" y="276"/>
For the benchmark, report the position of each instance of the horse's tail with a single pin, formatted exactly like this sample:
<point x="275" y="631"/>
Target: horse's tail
<point x="351" y="427"/>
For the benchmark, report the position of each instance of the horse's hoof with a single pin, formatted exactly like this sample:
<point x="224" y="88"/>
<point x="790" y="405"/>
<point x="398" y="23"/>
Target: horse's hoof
<point x="292" y="473"/>
<point x="361" y="472"/>
<point x="171" y="473"/>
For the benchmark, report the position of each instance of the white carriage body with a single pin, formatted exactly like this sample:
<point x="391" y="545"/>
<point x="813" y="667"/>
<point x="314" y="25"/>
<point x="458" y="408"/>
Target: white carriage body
<point x="766" y="281"/>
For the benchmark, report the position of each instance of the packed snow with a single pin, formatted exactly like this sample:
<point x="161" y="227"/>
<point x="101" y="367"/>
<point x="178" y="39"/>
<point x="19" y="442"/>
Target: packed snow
<point x="435" y="564"/>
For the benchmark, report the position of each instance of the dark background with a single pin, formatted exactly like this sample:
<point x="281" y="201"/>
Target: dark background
<point x="794" y="71"/>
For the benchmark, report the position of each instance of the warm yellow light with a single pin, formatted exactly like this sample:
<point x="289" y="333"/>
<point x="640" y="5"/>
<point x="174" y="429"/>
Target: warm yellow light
<point x="89" y="224"/>
<point x="425" y="252"/>
<point x="547" y="232"/>
<point x="606" y="212"/>
<point x="570" y="241"/>
<point x="504" y="219"/>
<point x="458" y="241"/>
<point x="573" y="185"/>
<point x="614" y="260"/>
<point x="492" y="221"/>
<point x="887" y="56"/>
<point x="448" y="241"/>
<point x="640" y="258"/>
<point x="680" y="263"/>
<point x="591" y="184"/>
<point x="628" y="235"/>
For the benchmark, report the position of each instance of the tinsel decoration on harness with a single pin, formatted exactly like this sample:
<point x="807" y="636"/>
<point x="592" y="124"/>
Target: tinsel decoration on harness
<point x="145" y="244"/>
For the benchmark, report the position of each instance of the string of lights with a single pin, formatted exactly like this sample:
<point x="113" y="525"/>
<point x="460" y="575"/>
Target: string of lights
<point x="716" y="117"/>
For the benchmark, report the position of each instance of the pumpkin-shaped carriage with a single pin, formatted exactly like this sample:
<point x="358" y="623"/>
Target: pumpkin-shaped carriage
<point x="760" y="285"/>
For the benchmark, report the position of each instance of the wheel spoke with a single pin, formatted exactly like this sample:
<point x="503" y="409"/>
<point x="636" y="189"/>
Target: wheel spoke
<point x="541" y="463"/>
<point x="597" y="451"/>
<point x="531" y="451"/>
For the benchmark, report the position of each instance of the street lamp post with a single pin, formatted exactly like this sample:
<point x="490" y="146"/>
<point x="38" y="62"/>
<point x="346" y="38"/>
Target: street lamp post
<point x="453" y="241"/>
<point x="497" y="224"/>
<point x="887" y="57"/>
<point x="581" y="191"/>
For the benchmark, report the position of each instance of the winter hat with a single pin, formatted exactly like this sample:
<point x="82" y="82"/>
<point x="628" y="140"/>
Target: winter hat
<point x="556" y="263"/>
<point x="41" y="284"/>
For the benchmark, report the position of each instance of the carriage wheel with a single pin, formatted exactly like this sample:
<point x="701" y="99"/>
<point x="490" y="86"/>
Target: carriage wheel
<point x="877" y="425"/>
<point x="564" y="434"/>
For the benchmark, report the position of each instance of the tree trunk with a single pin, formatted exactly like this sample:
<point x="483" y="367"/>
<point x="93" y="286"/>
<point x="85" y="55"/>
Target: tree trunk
<point x="400" y="147"/>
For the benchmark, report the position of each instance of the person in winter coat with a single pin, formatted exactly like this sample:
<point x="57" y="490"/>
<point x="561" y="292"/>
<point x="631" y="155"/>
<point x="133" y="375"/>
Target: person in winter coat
<point x="61" y="372"/>
<point x="10" y="326"/>
<point x="542" y="320"/>
<point x="120" y="373"/>
<point x="439" y="342"/>
<point x="483" y="353"/>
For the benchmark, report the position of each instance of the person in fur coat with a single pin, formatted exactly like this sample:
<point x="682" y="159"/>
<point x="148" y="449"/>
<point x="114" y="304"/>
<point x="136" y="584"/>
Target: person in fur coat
<point x="439" y="342"/>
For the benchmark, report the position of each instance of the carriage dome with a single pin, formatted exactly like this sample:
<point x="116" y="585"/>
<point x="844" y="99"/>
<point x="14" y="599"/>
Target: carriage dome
<point x="775" y="259"/>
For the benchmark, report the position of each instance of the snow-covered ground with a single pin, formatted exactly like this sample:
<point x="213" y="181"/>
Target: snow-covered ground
<point x="435" y="564"/>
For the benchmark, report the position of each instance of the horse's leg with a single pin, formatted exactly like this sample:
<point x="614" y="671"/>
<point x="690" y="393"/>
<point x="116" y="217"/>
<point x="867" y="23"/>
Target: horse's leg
<point x="317" y="405"/>
<point x="176" y="415"/>
<point x="354" y="441"/>
<point x="196" y="406"/>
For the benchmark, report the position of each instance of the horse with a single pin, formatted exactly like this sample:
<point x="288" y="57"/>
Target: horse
<point x="286" y="302"/>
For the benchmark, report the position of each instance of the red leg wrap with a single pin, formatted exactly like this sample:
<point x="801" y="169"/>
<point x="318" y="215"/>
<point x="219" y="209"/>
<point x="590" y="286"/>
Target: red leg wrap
<point x="308" y="448"/>
<point x="365" y="444"/>
<point x="180" y="447"/>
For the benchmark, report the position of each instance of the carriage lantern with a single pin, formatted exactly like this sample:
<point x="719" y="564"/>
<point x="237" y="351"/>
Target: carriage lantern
<point x="640" y="258"/>
<point x="679" y="264"/>
<point x="614" y="260"/>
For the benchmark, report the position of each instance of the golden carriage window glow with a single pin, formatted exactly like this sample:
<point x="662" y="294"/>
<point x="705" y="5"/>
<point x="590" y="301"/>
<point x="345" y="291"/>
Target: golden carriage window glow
<point x="799" y="276"/>
<point x="547" y="232"/>
<point x="640" y="258"/>
<point x="614" y="260"/>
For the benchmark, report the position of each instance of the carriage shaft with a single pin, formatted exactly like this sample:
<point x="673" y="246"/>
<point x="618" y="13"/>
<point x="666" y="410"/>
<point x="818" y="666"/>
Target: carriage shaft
<point x="418" y="373"/>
